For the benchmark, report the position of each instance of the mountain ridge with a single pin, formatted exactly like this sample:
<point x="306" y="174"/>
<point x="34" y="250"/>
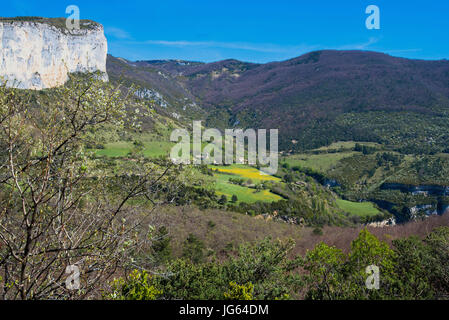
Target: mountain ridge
<point x="305" y="95"/>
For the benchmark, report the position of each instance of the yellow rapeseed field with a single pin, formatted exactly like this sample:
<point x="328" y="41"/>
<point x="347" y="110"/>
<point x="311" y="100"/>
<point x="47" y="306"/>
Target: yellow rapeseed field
<point x="249" y="173"/>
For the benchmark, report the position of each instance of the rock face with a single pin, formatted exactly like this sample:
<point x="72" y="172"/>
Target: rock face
<point x="35" y="55"/>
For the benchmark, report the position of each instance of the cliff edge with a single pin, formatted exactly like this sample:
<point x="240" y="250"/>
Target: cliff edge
<point x="39" y="53"/>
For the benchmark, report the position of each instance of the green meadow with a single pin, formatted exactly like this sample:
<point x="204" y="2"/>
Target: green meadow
<point x="347" y="145"/>
<point x="361" y="209"/>
<point x="243" y="193"/>
<point x="319" y="162"/>
<point x="150" y="148"/>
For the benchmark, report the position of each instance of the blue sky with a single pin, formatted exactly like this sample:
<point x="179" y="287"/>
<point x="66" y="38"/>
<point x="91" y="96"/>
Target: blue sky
<point x="256" y="31"/>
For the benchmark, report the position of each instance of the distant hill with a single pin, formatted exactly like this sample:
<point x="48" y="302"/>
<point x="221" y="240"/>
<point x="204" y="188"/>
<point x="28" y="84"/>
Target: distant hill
<point x="157" y="80"/>
<point x="321" y="97"/>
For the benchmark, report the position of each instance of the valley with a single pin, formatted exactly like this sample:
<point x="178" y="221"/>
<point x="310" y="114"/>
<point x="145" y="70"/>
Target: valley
<point x="91" y="177"/>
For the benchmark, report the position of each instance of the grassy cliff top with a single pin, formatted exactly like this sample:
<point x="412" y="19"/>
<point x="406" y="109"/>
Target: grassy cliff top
<point x="59" y="23"/>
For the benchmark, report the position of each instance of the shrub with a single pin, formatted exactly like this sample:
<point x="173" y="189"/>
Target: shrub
<point x="193" y="249"/>
<point x="223" y="200"/>
<point x="137" y="286"/>
<point x="239" y="292"/>
<point x="160" y="248"/>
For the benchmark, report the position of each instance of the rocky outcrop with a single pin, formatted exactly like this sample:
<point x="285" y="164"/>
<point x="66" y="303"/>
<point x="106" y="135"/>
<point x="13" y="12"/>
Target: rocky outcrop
<point x="38" y="55"/>
<point x="434" y="190"/>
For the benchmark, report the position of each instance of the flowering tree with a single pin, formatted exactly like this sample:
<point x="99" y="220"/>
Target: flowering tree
<point x="55" y="211"/>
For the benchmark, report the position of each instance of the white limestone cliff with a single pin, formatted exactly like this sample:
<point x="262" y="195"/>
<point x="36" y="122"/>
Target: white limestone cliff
<point x="36" y="55"/>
